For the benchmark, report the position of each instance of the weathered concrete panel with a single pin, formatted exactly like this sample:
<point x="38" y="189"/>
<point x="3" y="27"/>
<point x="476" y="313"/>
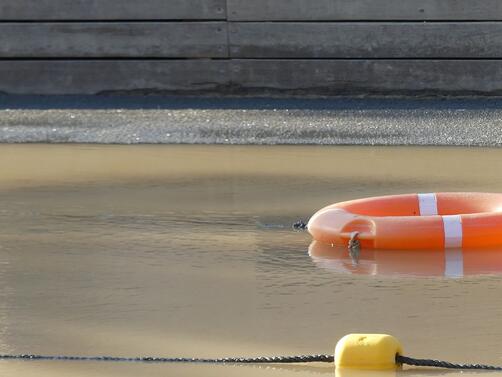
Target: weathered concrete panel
<point x="322" y="77"/>
<point x="345" y="77"/>
<point x="365" y="40"/>
<point x="269" y="10"/>
<point x="112" y="9"/>
<point x="111" y="39"/>
<point x="96" y="76"/>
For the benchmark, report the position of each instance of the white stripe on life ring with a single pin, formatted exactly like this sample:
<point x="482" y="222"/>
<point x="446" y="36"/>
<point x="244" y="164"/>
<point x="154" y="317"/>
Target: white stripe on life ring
<point x="454" y="263"/>
<point x="452" y="225"/>
<point x="427" y="203"/>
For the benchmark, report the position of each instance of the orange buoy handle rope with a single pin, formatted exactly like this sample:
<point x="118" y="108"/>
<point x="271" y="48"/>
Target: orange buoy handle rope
<point x="413" y="221"/>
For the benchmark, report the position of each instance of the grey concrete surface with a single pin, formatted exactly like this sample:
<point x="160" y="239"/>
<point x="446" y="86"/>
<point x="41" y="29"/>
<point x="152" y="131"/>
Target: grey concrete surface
<point x="42" y="10"/>
<point x="175" y="120"/>
<point x="113" y="40"/>
<point x="363" y="40"/>
<point x="276" y="77"/>
<point x="333" y="10"/>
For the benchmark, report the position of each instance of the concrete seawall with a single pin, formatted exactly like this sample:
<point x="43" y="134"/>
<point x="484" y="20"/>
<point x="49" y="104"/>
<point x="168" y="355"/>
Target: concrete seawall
<point x="260" y="47"/>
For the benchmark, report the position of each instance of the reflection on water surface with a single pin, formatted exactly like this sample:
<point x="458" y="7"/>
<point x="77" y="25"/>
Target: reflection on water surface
<point x="450" y="263"/>
<point x="188" y="251"/>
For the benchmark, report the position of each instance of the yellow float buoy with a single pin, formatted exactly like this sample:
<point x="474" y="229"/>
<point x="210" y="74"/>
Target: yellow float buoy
<point x="367" y="351"/>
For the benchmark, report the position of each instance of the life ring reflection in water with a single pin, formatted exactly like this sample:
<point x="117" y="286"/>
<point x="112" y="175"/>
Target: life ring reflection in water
<point x="453" y="263"/>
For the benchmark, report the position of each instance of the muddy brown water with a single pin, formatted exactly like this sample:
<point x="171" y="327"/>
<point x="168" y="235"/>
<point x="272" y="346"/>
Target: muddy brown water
<point x="188" y="251"/>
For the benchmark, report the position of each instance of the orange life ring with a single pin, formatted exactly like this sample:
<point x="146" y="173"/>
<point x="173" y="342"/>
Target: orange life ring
<point x="413" y="221"/>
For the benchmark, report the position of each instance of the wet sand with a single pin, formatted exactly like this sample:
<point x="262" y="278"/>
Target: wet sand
<point x="188" y="251"/>
<point x="188" y="120"/>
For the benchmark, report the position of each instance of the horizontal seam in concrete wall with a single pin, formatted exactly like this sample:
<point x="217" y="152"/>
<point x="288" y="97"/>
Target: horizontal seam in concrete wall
<point x="138" y="59"/>
<point x="132" y="20"/>
<point x="90" y="21"/>
<point x="366" y="21"/>
<point x="146" y="59"/>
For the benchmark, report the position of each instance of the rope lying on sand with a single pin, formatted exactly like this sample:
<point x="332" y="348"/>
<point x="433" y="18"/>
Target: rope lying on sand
<point x="148" y="359"/>
<point x="245" y="360"/>
<point x="442" y="364"/>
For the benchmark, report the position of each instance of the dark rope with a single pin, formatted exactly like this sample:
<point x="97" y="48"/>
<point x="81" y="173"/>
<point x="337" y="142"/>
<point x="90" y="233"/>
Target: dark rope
<point x="148" y="359"/>
<point x="244" y="360"/>
<point x="441" y="364"/>
<point x="300" y="225"/>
